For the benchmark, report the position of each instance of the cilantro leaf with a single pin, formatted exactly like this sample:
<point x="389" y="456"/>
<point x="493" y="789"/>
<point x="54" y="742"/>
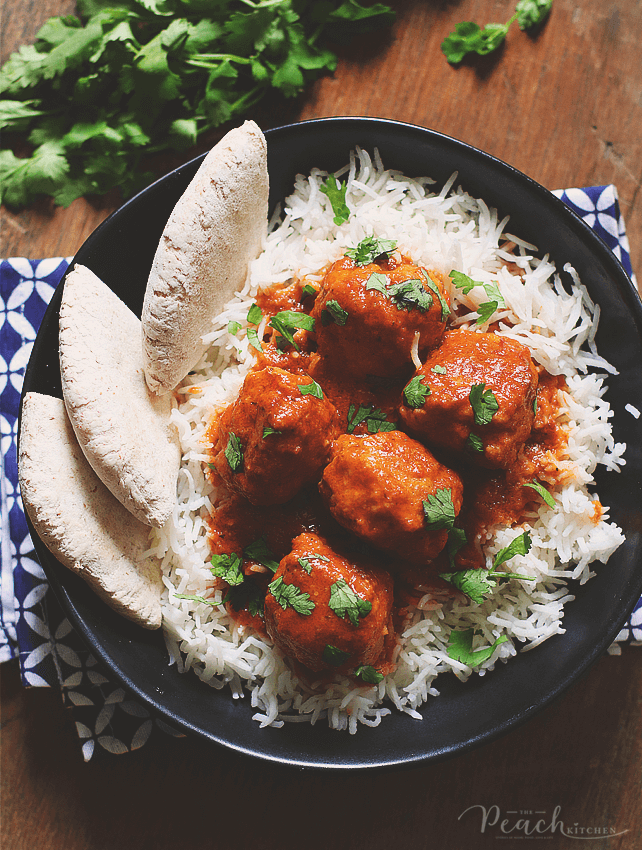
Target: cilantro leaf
<point x="463" y="282"/>
<point x="336" y="193"/>
<point x="476" y="584"/>
<point x="379" y="282"/>
<point x="368" y="674"/>
<point x="485" y="311"/>
<point x="346" y="603"/>
<point x="416" y="392"/>
<point x="312" y="389"/>
<point x="408" y="294"/>
<point x="308" y="290"/>
<point x="445" y="309"/>
<point x="305" y="564"/>
<point x="233" y="328"/>
<point x="254" y="315"/>
<point x="370" y="249"/>
<point x="287" y="322"/>
<point x="484" y="404"/>
<point x="334" y="657"/>
<point x="456" y="540"/>
<point x="469" y="37"/>
<point x="475" y="443"/>
<point x="227" y="567"/>
<point x="268" y="431"/>
<point x="519" y="546"/>
<point x="246" y="595"/>
<point x="253" y="339"/>
<point x="260" y="552"/>
<point x="374" y="418"/>
<point x="290" y="596"/>
<point x="234" y="453"/>
<point x="334" y="312"/>
<point x="460" y="645"/>
<point x="543" y="492"/>
<point x="439" y="370"/>
<point x="439" y="511"/>
<point x="532" y="12"/>
<point x="194" y="598"/>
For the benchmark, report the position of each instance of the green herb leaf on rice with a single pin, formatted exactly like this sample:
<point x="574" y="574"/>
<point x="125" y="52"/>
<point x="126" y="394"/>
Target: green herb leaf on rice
<point x="228" y="567"/>
<point x="460" y="648"/>
<point x="254" y="315"/>
<point x="543" y="492"/>
<point x="195" y="598"/>
<point x="368" y="674"/>
<point x="336" y="193"/>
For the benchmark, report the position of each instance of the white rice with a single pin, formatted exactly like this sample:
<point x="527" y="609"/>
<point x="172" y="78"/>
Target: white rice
<point x="441" y="231"/>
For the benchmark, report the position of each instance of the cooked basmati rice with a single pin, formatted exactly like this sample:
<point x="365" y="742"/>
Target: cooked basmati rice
<point x="442" y="231"/>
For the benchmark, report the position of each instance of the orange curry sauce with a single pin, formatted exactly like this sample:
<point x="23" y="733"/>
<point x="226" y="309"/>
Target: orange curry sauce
<point x="350" y="509"/>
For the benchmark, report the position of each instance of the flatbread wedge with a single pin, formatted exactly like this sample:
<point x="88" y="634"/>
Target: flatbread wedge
<point x="78" y="519"/>
<point x="215" y="230"/>
<point x="122" y="427"/>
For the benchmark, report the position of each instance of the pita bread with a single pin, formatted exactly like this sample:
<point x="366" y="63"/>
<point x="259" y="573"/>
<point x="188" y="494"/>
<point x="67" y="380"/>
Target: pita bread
<point x="215" y="230"/>
<point x="79" y="520"/>
<point x="121" y="426"/>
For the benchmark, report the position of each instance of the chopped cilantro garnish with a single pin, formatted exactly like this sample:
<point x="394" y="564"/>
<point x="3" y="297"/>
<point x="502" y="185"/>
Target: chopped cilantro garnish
<point x="268" y="431"/>
<point x="336" y="193"/>
<point x="312" y="389"/>
<point x="484" y="403"/>
<point x="254" y="315"/>
<point x="371" y="249"/>
<point x="345" y="602"/>
<point x="430" y="283"/>
<point x="334" y="312"/>
<point x="287" y="322"/>
<point x="253" y="339"/>
<point x="488" y="308"/>
<point x="532" y="12"/>
<point x="305" y="564"/>
<point x="439" y="370"/>
<point x="408" y="294"/>
<point x="368" y="674"/>
<point x="456" y="540"/>
<point x="308" y="290"/>
<point x="460" y="648"/>
<point x="475" y="443"/>
<point x="290" y="596"/>
<point x="260" y="552"/>
<point x="439" y="510"/>
<point x="234" y="453"/>
<point x="334" y="657"/>
<point x="416" y="392"/>
<point x="227" y="567"/>
<point x="519" y="546"/>
<point x="233" y="328"/>
<point x="194" y="598"/>
<point x="463" y="282"/>
<point x="379" y="282"/>
<point x="543" y="492"/>
<point x="374" y="418"/>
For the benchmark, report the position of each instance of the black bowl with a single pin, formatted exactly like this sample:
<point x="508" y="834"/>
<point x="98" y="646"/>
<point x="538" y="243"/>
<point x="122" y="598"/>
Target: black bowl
<point x="120" y="251"/>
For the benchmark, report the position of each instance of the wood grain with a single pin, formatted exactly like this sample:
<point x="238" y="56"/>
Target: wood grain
<point x="564" y="106"/>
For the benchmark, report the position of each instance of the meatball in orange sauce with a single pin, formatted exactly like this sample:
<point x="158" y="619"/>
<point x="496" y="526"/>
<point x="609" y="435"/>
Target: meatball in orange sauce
<point x="375" y="486"/>
<point x="274" y="438"/>
<point x="327" y="609"/>
<point x="367" y="315"/>
<point x="474" y="394"/>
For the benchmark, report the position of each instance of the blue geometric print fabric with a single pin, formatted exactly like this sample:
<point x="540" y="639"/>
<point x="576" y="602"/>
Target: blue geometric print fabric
<point x="33" y="627"/>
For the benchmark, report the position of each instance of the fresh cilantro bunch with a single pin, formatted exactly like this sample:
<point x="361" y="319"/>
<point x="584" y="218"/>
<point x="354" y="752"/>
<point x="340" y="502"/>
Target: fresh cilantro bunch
<point x="469" y="37"/>
<point x="128" y="78"/>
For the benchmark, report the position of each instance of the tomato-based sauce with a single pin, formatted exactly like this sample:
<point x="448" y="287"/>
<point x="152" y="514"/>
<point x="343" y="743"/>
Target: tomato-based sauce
<point x="343" y="471"/>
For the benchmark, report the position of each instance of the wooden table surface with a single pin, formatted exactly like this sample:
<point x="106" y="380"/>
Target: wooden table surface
<point x="566" y="108"/>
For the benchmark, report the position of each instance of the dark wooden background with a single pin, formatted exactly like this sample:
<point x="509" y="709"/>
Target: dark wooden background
<point x="565" y="107"/>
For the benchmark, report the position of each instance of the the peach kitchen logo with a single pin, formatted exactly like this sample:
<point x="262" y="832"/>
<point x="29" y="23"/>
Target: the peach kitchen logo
<point x="534" y="824"/>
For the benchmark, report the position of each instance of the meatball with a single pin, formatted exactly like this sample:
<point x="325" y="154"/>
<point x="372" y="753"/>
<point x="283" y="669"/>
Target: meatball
<point x="326" y="609"/>
<point x="376" y="487"/>
<point x="475" y="393"/>
<point x="274" y="439"/>
<point x="366" y="319"/>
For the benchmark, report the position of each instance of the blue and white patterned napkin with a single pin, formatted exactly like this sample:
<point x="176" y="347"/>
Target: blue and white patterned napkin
<point x="33" y="627"/>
